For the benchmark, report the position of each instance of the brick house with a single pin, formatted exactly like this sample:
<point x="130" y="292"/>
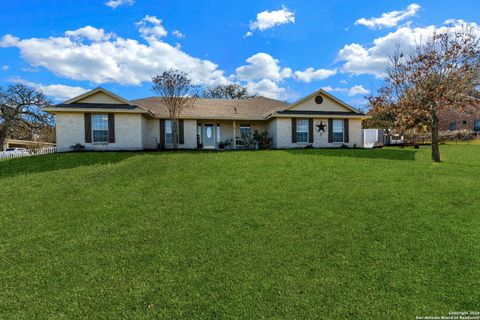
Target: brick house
<point x="454" y="120"/>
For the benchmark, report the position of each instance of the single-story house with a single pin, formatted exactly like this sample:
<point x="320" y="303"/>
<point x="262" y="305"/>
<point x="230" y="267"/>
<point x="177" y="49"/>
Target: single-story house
<point x="101" y="120"/>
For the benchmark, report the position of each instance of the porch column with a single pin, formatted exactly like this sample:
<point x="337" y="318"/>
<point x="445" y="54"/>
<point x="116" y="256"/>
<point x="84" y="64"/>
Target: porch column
<point x="234" y="138"/>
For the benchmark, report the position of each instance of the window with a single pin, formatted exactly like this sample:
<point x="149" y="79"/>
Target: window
<point x="476" y="125"/>
<point x="302" y="130"/>
<point x="218" y="133"/>
<point x="452" y="126"/>
<point x="337" y="130"/>
<point x="100" y="128"/>
<point x="245" y="129"/>
<point x="169" y="132"/>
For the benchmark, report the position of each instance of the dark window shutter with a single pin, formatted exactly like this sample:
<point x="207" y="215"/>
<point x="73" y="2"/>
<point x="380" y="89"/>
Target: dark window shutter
<point x="310" y="130"/>
<point x="294" y="130"/>
<point x="346" y="131"/>
<point x="88" y="128"/>
<point x="162" y="132"/>
<point x="330" y="130"/>
<point x="181" y="135"/>
<point x="111" y="128"/>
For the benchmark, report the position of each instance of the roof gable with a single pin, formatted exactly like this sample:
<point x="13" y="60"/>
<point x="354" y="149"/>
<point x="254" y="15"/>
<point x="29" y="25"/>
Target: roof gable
<point x="98" y="95"/>
<point x="329" y="104"/>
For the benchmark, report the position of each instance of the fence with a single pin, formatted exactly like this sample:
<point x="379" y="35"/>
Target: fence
<point x="372" y="138"/>
<point x="26" y="153"/>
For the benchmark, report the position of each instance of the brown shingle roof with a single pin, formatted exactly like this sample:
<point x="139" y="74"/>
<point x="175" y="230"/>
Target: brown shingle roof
<point x="253" y="108"/>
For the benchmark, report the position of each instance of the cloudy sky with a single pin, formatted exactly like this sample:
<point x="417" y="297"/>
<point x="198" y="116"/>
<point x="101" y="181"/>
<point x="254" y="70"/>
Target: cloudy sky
<point x="279" y="49"/>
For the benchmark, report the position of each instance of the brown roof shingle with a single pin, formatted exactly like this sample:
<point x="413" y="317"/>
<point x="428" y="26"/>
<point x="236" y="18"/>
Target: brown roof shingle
<point x="253" y="108"/>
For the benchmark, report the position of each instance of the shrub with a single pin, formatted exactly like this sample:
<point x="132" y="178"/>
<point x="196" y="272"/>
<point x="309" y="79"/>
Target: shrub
<point x="77" y="147"/>
<point x="457" y="135"/>
<point x="263" y="140"/>
<point x="225" y="144"/>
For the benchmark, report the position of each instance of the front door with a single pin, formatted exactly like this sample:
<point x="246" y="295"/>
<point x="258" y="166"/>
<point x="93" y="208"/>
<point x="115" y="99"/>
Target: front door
<point x="208" y="136"/>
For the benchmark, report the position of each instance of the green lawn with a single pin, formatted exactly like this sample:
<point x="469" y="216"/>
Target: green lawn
<point x="331" y="234"/>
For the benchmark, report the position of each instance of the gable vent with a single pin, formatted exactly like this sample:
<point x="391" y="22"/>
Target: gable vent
<point x="318" y="99"/>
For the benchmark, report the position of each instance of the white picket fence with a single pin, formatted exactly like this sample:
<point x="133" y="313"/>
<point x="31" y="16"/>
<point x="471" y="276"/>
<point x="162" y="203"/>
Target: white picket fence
<point x="27" y="153"/>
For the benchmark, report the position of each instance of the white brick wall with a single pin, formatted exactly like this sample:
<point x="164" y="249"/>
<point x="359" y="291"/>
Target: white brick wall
<point x="151" y="133"/>
<point x="190" y="134"/>
<point x="282" y="130"/>
<point x="272" y="132"/>
<point x="135" y="132"/>
<point x="71" y="130"/>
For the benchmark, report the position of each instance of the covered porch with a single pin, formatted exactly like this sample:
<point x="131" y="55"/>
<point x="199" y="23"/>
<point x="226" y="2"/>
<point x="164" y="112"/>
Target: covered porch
<point x="225" y="134"/>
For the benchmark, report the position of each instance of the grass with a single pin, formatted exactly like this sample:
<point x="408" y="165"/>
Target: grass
<point x="332" y="234"/>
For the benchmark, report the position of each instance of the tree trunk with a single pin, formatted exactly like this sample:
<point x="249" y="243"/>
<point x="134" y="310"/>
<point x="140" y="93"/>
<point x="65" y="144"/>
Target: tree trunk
<point x="175" y="133"/>
<point x="435" y="140"/>
<point x="3" y="137"/>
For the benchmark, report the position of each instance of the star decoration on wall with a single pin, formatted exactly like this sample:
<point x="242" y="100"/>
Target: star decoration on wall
<point x="321" y="126"/>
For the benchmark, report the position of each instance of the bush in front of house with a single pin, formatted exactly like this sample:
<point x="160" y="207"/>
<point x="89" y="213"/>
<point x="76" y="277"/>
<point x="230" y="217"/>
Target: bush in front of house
<point x="263" y="140"/>
<point x="77" y="147"/>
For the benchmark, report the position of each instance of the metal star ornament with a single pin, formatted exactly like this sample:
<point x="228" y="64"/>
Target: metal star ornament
<point x="321" y="127"/>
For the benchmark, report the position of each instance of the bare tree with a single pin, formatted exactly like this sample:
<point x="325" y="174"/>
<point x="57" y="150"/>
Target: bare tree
<point x="177" y="93"/>
<point x="228" y="91"/>
<point x="440" y="74"/>
<point x="21" y="112"/>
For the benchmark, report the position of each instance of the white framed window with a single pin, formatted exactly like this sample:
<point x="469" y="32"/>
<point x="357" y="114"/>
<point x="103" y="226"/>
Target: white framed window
<point x="169" y="132"/>
<point x="218" y="133"/>
<point x="100" y="128"/>
<point x="337" y="130"/>
<point x="302" y="130"/>
<point x="245" y="129"/>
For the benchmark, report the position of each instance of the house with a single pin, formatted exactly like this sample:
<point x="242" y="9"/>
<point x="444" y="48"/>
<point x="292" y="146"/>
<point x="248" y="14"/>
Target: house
<point x="452" y="120"/>
<point x="101" y="120"/>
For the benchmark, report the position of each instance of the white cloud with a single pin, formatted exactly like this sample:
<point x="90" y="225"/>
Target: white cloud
<point x="353" y="91"/>
<point x="389" y="19"/>
<point x="178" y="34"/>
<point x="119" y="60"/>
<point x="5" y="67"/>
<point x="8" y="41"/>
<point x="358" y="59"/>
<point x="262" y="66"/>
<point x="57" y="92"/>
<point x="270" y="89"/>
<point x="117" y="3"/>
<point x="151" y="27"/>
<point x="311" y="74"/>
<point x="89" y="33"/>
<point x="269" y="19"/>
<point x="356" y="90"/>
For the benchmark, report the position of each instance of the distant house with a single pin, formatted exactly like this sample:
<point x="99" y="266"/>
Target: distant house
<point x="454" y="120"/>
<point x="101" y="120"/>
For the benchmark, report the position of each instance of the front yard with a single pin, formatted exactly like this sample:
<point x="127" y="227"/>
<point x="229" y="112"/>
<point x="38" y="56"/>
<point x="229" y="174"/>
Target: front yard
<point x="332" y="234"/>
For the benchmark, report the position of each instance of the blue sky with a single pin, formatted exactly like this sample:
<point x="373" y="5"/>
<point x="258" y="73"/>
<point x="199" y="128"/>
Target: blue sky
<point x="280" y="49"/>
